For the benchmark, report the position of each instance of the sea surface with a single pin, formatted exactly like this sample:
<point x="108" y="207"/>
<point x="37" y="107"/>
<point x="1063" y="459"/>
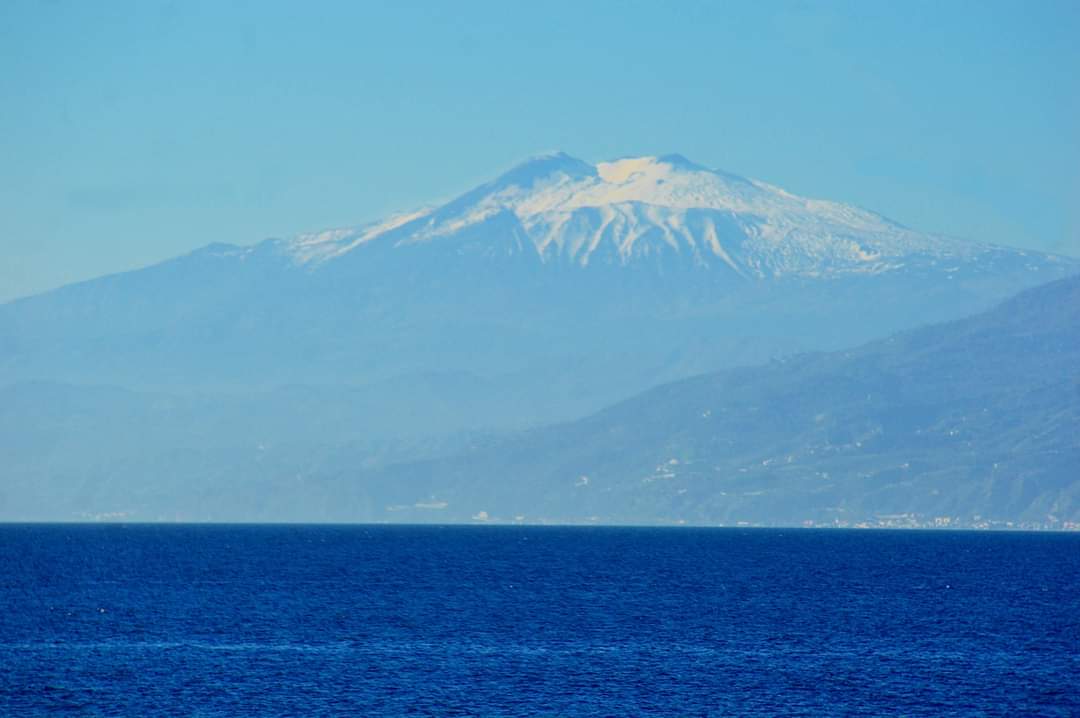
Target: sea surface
<point x="167" y="620"/>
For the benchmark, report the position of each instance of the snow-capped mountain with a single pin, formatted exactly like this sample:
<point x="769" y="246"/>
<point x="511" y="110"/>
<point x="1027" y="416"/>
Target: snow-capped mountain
<point x="619" y="212"/>
<point x="555" y="290"/>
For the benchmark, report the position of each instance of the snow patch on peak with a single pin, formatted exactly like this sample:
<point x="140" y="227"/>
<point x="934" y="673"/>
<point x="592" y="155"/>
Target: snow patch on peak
<point x="318" y="247"/>
<point x="545" y="167"/>
<point x="620" y="171"/>
<point x="637" y="207"/>
<point x="656" y="168"/>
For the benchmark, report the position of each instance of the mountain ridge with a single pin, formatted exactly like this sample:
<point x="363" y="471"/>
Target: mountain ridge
<point x="551" y="256"/>
<point x="579" y="213"/>
<point x="668" y="203"/>
<point x="968" y="421"/>
<point x="973" y="422"/>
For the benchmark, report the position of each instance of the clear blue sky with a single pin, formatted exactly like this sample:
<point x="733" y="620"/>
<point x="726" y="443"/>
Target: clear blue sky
<point x="134" y="131"/>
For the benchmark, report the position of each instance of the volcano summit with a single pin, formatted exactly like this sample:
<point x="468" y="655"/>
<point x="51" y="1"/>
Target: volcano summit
<point x="638" y="209"/>
<point x="546" y="293"/>
<point x="266" y="375"/>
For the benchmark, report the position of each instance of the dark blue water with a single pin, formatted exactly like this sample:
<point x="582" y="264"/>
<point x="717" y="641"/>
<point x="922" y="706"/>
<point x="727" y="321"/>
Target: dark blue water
<point x="280" y="620"/>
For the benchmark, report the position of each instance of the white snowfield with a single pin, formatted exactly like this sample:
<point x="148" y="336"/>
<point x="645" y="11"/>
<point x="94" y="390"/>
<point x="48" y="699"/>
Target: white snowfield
<point x="622" y="211"/>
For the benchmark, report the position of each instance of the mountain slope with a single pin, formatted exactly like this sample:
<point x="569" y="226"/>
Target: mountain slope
<point x="971" y="420"/>
<point x="629" y="273"/>
<point x="974" y="418"/>
<point x="632" y="209"/>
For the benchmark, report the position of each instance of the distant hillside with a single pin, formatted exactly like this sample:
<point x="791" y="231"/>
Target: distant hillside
<point x="973" y="418"/>
<point x="977" y="419"/>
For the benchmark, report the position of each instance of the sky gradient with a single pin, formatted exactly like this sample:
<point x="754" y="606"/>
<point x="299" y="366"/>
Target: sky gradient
<point x="133" y="132"/>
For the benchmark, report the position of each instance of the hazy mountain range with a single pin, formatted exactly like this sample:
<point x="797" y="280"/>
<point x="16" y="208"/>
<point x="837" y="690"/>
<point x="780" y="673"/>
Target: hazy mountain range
<point x="974" y="418"/>
<point x="215" y="384"/>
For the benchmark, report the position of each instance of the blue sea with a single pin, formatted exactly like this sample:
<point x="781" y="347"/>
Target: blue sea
<point x="168" y="620"/>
